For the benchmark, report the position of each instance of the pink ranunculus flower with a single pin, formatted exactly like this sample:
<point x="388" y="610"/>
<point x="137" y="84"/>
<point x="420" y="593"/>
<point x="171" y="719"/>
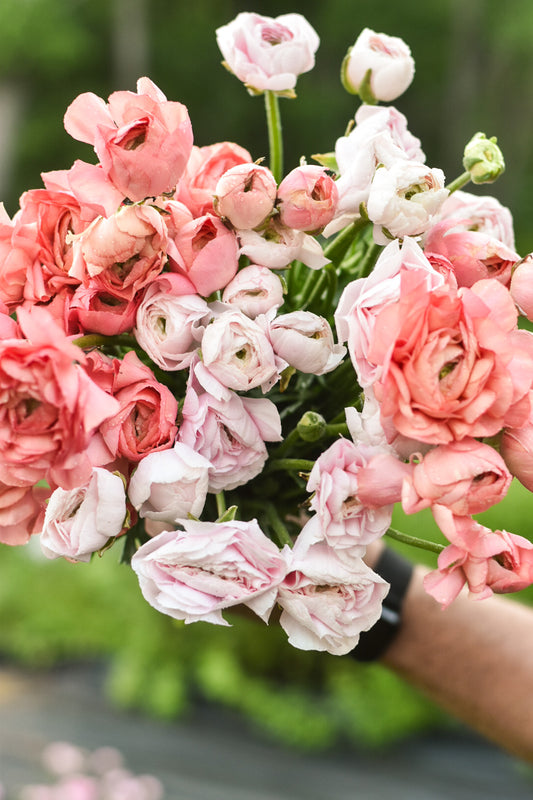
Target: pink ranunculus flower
<point x="363" y="299"/>
<point x="354" y="488"/>
<point x="254" y="290"/>
<point x="326" y="603"/>
<point x="170" y="485"/>
<point x="516" y="448"/>
<point x="276" y="247"/>
<point x="521" y="286"/>
<point x="268" y="54"/>
<point x="209" y="254"/>
<point x="481" y="559"/>
<point x="196" y="573"/>
<point x="404" y="199"/>
<point x="143" y="141"/>
<point x="170" y="321"/>
<point x="483" y="213"/>
<point x="453" y="364"/>
<point x="89" y="185"/>
<point x="21" y="512"/>
<point x="245" y="195"/>
<point x="378" y="67"/>
<point x="205" y="167"/>
<point x="307" y="198"/>
<point x="467" y="477"/>
<point x="123" y="253"/>
<point x="239" y="353"/>
<point x="305" y="341"/>
<point x="229" y="430"/>
<point x="90" y="309"/>
<point x="50" y="408"/>
<point x="146" y="419"/>
<point x="19" y="251"/>
<point x="81" y="521"/>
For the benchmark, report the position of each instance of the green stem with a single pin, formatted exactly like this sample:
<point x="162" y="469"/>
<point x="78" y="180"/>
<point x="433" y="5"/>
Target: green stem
<point x="293" y="464"/>
<point x="337" y="249"/>
<point x="459" y="182"/>
<point x="369" y="259"/>
<point x="275" y="140"/>
<point x="278" y="526"/>
<point x="340" y="429"/>
<point x="98" y="340"/>
<point x="414" y="541"/>
<point x="221" y="504"/>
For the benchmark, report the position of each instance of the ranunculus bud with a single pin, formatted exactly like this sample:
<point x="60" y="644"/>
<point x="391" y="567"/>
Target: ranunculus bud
<point x="245" y="195"/>
<point x="311" y="427"/>
<point x="377" y="67"/>
<point x="254" y="290"/>
<point x="308" y="198"/>
<point x="305" y="341"/>
<point x="521" y="286"/>
<point x="483" y="159"/>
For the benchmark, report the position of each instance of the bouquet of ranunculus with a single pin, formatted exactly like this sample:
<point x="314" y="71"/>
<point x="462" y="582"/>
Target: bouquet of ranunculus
<point x="169" y="376"/>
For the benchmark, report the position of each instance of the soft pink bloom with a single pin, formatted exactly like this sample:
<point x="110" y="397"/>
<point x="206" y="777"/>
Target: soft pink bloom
<point x="305" y="341"/>
<point x="453" y="365"/>
<point x="122" y="253"/>
<point x="307" y="198"/>
<point x="60" y="758"/>
<point x="468" y="477"/>
<point x="92" y="309"/>
<point x="363" y="299"/>
<point x="268" y="53"/>
<point x="483" y="213"/>
<point x="403" y="199"/>
<point x="516" y="448"/>
<point x="209" y="253"/>
<point x="521" y="286"/>
<point x="245" y="195"/>
<point x="326" y="602"/>
<point x="50" y="407"/>
<point x="146" y="419"/>
<point x="254" y="290"/>
<point x="479" y="558"/>
<point x="196" y="573"/>
<point x="80" y="521"/>
<point x="171" y="320"/>
<point x="89" y="185"/>
<point x="276" y="247"/>
<point x="21" y="512"/>
<point x="238" y="352"/>
<point x="230" y="431"/>
<point x="389" y="60"/>
<point x="170" y="485"/>
<point x="19" y="251"/>
<point x="143" y="141"/>
<point x="354" y="488"/>
<point x="205" y="167"/>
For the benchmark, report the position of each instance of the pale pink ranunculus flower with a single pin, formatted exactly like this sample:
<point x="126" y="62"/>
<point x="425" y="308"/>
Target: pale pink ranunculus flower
<point x="326" y="603"/>
<point x="89" y="185"/>
<point x="54" y="407"/>
<point x="238" y="352"/>
<point x="209" y="254"/>
<point x="19" y="251"/>
<point x="362" y="300"/>
<point x="521" y="286"/>
<point x="229" y="430"/>
<point x="305" y="341"/>
<point x="170" y="485"/>
<point x="453" y="363"/>
<point x="276" y="247"/>
<point x="478" y="558"/>
<point x="143" y="140"/>
<point x="21" y="512"/>
<point x="516" y="448"/>
<point x="254" y="290"/>
<point x="268" y="54"/>
<point x="307" y="198"/>
<point x="205" y="167"/>
<point x="467" y="477"/>
<point x="170" y="321"/>
<point x="81" y="521"/>
<point x="354" y="509"/>
<point x="389" y="60"/>
<point x="482" y="213"/>
<point x="196" y="573"/>
<point x="403" y="200"/>
<point x="245" y="195"/>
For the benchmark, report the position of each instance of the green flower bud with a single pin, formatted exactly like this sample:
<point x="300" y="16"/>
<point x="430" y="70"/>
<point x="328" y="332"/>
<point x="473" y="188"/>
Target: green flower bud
<point x="311" y="427"/>
<point x="483" y="159"/>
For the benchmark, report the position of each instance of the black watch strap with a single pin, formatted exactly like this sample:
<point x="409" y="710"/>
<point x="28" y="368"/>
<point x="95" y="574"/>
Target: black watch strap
<point x="397" y="571"/>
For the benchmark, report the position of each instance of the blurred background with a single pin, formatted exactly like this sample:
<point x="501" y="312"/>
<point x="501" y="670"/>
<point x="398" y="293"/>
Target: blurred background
<point x="474" y="68"/>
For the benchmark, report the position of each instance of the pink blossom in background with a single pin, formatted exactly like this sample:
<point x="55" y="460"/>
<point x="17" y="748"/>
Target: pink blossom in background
<point x="171" y="484"/>
<point x="254" y="290"/>
<point x="305" y="341"/>
<point x="389" y="60"/>
<point x="307" y="198"/>
<point x="326" y="603"/>
<point x="268" y="53"/>
<point x="245" y="195"/>
<point x="205" y="167"/>
<point x="467" y="477"/>
<point x="196" y="573"/>
<point x="209" y="253"/>
<point x="143" y="141"/>
<point x="79" y="522"/>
